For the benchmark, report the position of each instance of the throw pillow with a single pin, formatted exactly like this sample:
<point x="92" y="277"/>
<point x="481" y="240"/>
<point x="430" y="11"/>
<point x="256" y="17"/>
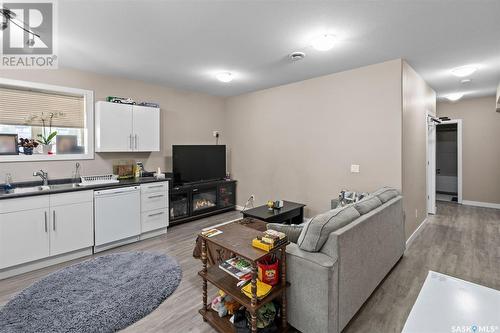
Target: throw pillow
<point x="367" y="204"/>
<point x="386" y="193"/>
<point x="291" y="230"/>
<point x="317" y="230"/>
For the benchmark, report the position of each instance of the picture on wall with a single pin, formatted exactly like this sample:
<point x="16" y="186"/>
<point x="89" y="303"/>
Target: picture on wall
<point x="8" y="144"/>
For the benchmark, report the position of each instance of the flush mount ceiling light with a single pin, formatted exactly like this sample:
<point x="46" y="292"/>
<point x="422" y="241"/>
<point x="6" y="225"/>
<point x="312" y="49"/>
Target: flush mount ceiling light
<point x="323" y="42"/>
<point x="463" y="71"/>
<point x="454" y="97"/>
<point x="465" y="81"/>
<point x="224" y="77"/>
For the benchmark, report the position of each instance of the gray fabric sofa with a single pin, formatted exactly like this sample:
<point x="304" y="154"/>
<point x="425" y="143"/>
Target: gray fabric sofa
<point x="330" y="285"/>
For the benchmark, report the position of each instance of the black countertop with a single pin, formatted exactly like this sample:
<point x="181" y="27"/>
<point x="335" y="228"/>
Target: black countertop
<point x="65" y="185"/>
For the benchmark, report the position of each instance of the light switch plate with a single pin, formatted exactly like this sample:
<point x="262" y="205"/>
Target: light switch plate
<point x="355" y="168"/>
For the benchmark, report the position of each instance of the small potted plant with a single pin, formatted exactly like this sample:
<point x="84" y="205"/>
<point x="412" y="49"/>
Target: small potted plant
<point x="45" y="139"/>
<point x="28" y="145"/>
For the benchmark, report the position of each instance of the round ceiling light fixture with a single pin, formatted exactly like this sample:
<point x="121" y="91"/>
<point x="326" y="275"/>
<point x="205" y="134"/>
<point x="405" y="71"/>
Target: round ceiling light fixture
<point x="463" y="71"/>
<point x="454" y="96"/>
<point x="224" y="77"/>
<point x="324" y="42"/>
<point x="296" y="56"/>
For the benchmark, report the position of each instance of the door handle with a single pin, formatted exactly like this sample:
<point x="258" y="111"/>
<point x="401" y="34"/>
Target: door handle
<point x="54" y="220"/>
<point x="130" y="140"/>
<point x="136" y="136"/>
<point x="46" y="226"/>
<point x="155" y="214"/>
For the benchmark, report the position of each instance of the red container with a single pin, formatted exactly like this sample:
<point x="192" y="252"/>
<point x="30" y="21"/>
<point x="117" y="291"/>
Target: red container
<point x="268" y="273"/>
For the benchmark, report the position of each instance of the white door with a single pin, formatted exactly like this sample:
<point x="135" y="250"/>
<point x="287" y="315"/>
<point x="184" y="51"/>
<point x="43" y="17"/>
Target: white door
<point x="24" y="236"/>
<point x="117" y="214"/>
<point x="71" y="227"/>
<point x="431" y="167"/>
<point x="146" y="128"/>
<point x="113" y="130"/>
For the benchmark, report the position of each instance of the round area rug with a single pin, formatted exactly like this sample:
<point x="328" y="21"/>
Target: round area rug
<point x="103" y="294"/>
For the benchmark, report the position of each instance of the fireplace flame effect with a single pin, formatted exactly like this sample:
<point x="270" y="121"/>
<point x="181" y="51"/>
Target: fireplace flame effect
<point x="203" y="203"/>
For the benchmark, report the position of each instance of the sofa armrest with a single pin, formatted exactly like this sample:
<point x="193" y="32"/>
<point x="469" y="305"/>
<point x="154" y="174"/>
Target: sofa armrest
<point x="313" y="293"/>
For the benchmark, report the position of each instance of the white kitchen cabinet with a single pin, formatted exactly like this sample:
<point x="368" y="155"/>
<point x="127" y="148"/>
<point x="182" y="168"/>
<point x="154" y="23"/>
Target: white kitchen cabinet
<point x="113" y="127"/>
<point x="146" y="126"/>
<point x="122" y="127"/>
<point x="24" y="236"/>
<point x="45" y="226"/>
<point x="71" y="222"/>
<point x="154" y="207"/>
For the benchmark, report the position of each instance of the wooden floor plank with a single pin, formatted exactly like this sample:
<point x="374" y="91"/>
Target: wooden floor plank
<point x="460" y="241"/>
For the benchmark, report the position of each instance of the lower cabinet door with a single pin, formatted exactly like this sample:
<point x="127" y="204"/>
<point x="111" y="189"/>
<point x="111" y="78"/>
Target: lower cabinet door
<point x="24" y="236"/>
<point x="71" y="228"/>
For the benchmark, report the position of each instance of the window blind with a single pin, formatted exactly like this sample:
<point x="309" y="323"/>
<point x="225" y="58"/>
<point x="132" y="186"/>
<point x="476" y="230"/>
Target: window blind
<point x="17" y="106"/>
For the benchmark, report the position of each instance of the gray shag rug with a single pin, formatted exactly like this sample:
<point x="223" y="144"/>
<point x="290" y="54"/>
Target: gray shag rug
<point x="103" y="294"/>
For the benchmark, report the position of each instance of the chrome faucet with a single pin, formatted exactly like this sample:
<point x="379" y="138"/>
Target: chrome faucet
<point x="44" y="175"/>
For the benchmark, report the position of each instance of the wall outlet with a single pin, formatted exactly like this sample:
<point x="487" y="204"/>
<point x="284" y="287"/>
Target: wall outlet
<point x="215" y="134"/>
<point x="355" y="168"/>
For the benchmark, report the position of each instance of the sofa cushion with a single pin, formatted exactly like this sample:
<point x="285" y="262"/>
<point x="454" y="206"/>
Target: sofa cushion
<point x="316" y="232"/>
<point x="367" y="204"/>
<point x="292" y="231"/>
<point x="386" y="193"/>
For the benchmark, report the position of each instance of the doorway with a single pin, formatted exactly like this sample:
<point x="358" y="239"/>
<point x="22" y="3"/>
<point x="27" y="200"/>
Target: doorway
<point x="449" y="161"/>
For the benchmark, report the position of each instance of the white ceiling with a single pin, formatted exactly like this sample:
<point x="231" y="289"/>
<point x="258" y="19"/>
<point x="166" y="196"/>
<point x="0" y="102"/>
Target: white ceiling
<point x="183" y="43"/>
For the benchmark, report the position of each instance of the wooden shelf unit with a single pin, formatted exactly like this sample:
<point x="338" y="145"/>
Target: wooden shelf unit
<point x="238" y="240"/>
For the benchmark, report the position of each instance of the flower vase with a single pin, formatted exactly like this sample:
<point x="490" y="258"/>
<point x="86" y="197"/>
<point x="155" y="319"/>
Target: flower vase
<point x="47" y="149"/>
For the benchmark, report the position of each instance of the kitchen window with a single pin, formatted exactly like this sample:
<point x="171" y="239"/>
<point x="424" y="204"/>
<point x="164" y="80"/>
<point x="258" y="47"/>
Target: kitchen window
<point x="40" y="122"/>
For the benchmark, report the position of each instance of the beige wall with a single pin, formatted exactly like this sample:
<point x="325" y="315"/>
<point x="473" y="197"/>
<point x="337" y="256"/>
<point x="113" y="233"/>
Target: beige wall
<point x="187" y="118"/>
<point x="418" y="99"/>
<point x="481" y="152"/>
<point x="297" y="141"/>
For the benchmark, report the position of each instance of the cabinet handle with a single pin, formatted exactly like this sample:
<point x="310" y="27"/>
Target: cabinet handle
<point x="155" y="186"/>
<point x="46" y="226"/>
<point x="130" y="141"/>
<point x="54" y="220"/>
<point x="195" y="190"/>
<point x="155" y="214"/>
<point x="136" y="141"/>
<point x="155" y="196"/>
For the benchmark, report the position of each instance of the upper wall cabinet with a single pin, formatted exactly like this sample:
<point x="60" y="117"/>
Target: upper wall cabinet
<point x="125" y="128"/>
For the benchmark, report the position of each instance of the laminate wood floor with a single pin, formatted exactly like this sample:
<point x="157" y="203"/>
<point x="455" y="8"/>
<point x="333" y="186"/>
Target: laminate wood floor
<point x="460" y="241"/>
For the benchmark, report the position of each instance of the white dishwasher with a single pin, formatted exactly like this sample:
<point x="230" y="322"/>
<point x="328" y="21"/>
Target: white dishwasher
<point x="117" y="216"/>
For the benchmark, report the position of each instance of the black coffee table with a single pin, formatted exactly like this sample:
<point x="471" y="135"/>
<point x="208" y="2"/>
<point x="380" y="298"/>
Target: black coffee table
<point x="290" y="213"/>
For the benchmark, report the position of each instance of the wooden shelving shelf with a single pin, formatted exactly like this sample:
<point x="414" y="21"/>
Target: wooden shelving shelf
<point x="227" y="283"/>
<point x="237" y="239"/>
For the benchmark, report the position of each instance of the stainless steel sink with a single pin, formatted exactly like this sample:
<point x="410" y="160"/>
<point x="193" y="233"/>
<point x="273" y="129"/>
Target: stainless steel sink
<point x="29" y="189"/>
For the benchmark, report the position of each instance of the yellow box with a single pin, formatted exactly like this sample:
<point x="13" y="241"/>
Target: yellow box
<point x="263" y="246"/>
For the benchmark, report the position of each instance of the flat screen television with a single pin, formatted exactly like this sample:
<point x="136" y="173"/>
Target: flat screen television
<point x="198" y="163"/>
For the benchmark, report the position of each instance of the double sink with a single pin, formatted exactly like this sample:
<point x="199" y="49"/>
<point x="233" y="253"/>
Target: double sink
<point x="29" y="188"/>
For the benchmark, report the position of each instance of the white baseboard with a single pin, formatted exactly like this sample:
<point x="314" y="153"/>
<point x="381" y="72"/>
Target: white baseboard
<point x="415" y="233"/>
<point x="481" y="204"/>
<point x="42" y="263"/>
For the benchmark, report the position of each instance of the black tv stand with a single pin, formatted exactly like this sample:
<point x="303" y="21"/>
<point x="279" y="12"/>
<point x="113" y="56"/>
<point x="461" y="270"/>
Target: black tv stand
<point x="193" y="201"/>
